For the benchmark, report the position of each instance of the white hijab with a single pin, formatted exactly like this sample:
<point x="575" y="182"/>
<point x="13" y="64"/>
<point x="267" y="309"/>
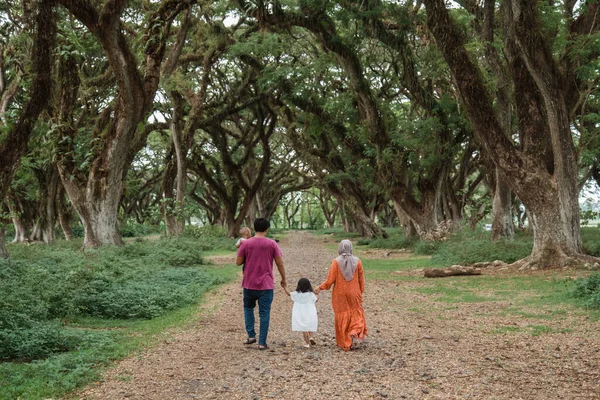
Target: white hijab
<point x="346" y="261"/>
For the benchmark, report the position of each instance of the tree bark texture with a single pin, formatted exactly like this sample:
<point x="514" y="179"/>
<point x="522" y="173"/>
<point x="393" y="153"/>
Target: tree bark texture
<point x="49" y="181"/>
<point x="16" y="141"/>
<point x="64" y="213"/>
<point x="237" y="184"/>
<point x="18" y="224"/>
<point x="408" y="227"/>
<point x="547" y="189"/>
<point x="502" y="216"/>
<point x="97" y="194"/>
<point x="452" y="271"/>
<point x="3" y="250"/>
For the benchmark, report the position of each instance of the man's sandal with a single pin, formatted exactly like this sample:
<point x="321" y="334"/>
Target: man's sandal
<point x="250" y="341"/>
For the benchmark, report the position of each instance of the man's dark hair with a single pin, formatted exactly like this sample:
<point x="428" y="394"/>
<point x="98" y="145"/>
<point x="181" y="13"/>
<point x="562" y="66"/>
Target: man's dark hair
<point x="261" y="224"/>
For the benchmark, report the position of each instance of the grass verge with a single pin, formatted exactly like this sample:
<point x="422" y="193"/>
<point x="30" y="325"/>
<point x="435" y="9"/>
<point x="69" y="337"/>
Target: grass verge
<point x="56" y="295"/>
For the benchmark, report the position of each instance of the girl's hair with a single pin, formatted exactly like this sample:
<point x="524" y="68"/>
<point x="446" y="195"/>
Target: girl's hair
<point x="304" y="286"/>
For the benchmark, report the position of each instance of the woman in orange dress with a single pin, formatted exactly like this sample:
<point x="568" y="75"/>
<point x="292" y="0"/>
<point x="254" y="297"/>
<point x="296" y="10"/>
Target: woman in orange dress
<point x="347" y="277"/>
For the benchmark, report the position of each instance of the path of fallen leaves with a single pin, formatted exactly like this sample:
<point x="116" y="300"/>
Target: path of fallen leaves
<point x="418" y="349"/>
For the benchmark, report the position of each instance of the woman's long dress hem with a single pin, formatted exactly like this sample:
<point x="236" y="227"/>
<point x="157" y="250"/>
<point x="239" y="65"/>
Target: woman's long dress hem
<point x="346" y="300"/>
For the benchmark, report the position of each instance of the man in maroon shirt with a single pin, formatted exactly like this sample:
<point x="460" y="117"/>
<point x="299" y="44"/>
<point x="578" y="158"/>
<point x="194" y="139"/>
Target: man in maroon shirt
<point x="257" y="254"/>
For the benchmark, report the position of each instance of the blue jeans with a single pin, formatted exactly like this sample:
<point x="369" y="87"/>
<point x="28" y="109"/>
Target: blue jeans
<point x="264" y="298"/>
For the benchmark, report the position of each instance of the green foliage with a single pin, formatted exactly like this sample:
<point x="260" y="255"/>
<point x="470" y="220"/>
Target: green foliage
<point x="396" y="241"/>
<point x="588" y="290"/>
<point x="209" y="237"/>
<point x="133" y="229"/>
<point x="150" y="295"/>
<point x="44" y="285"/>
<point x="588" y="215"/>
<point x="591" y="240"/>
<point x="46" y="338"/>
<point x="469" y="247"/>
<point x="426" y="247"/>
<point x="205" y="232"/>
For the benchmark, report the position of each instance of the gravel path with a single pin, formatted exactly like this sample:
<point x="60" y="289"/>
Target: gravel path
<point x="418" y="349"/>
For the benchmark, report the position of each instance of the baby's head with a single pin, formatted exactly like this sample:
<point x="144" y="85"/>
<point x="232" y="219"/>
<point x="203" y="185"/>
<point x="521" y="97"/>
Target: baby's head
<point x="245" y="232"/>
<point x="304" y="286"/>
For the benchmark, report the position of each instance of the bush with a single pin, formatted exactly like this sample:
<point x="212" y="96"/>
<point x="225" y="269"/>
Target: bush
<point x="44" y="339"/>
<point x="43" y="285"/>
<point x="426" y="247"/>
<point x="588" y="290"/>
<point x="210" y="237"/>
<point x="396" y="241"/>
<point x="133" y="229"/>
<point x="145" y="297"/>
<point x="470" y="247"/>
<point x="204" y="232"/>
<point x="591" y="240"/>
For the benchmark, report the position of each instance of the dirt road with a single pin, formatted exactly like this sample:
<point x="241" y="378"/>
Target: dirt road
<point x="418" y="349"/>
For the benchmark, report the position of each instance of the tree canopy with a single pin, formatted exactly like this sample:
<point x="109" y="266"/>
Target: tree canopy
<point x="424" y="114"/>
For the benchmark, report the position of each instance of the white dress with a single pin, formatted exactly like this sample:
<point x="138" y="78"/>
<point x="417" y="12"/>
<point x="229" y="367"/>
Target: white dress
<point x="304" y="313"/>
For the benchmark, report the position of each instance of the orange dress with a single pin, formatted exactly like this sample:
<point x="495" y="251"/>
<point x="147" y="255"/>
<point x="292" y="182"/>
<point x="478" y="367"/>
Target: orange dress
<point x="346" y="300"/>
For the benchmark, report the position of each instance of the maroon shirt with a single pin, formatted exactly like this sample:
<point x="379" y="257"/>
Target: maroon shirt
<point x="258" y="256"/>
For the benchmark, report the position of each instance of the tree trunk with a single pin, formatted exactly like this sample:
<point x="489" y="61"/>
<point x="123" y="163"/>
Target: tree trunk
<point x="503" y="226"/>
<point x="16" y="141"/>
<point x="544" y="181"/>
<point x="174" y="179"/>
<point x="3" y="251"/>
<point x="49" y="181"/>
<point x="64" y="213"/>
<point x="20" y="230"/>
<point x="556" y="240"/>
<point x="233" y="224"/>
<point x="452" y="271"/>
<point x="405" y="222"/>
<point x="365" y="225"/>
<point x="168" y="203"/>
<point x="18" y="223"/>
<point x="423" y="214"/>
<point x="36" y="232"/>
<point x="98" y="208"/>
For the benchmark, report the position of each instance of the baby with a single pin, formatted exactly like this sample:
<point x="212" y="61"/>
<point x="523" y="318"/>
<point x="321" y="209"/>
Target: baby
<point x="244" y="234"/>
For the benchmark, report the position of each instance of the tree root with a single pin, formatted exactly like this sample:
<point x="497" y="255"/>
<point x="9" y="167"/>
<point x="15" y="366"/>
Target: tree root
<point x="538" y="262"/>
<point x="561" y="260"/>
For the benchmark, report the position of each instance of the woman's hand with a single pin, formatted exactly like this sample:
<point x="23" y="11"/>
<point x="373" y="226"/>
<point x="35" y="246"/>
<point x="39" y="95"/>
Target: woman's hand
<point x="317" y="290"/>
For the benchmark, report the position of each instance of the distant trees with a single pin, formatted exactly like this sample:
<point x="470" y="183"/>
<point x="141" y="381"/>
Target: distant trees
<point x="36" y="65"/>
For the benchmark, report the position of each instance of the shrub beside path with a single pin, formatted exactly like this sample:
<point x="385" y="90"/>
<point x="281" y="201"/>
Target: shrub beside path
<point x="418" y="349"/>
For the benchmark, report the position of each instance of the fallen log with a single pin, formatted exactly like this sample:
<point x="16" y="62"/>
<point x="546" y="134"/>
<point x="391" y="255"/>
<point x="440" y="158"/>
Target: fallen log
<point x="452" y="271"/>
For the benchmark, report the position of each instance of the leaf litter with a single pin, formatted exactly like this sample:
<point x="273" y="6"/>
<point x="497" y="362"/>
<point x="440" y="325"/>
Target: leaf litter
<point x="418" y="348"/>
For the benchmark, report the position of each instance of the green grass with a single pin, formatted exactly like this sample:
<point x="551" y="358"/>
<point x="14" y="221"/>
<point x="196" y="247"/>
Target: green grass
<point x="590" y="237"/>
<point x="42" y="287"/>
<point x="532" y="300"/>
<point x="62" y="373"/>
<point x="533" y="330"/>
<point x="453" y="294"/>
<point x="382" y="269"/>
<point x="528" y="297"/>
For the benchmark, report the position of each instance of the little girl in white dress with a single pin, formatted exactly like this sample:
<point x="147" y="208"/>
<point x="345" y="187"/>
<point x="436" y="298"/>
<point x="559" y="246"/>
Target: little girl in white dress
<point x="304" y="312"/>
